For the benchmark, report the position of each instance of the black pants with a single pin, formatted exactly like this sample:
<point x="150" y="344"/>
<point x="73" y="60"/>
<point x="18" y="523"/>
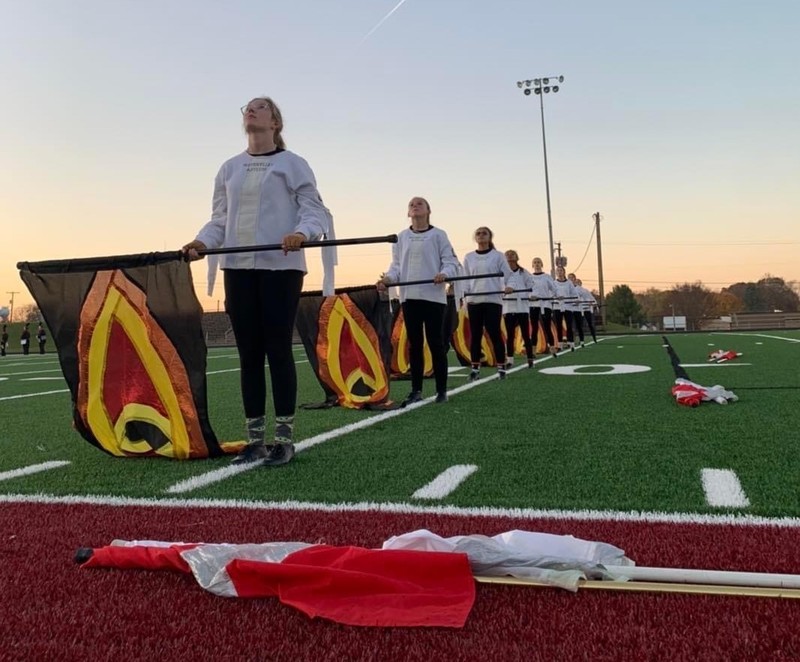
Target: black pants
<point x="589" y="317"/>
<point x="428" y="316"/>
<point x="577" y="318"/>
<point x="564" y="316"/>
<point x="486" y="316"/>
<point x="514" y="320"/>
<point x="26" y="348"/>
<point x="2" y="349"/>
<point x="262" y="306"/>
<point x="546" y="319"/>
<point x="41" y="348"/>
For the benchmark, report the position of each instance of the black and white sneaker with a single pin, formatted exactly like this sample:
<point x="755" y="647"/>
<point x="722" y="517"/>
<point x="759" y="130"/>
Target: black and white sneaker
<point x="251" y="453"/>
<point x="473" y="375"/>
<point x="281" y="453"/>
<point x="530" y="363"/>
<point x="501" y="374"/>
<point x="441" y="397"/>
<point x="411" y="398"/>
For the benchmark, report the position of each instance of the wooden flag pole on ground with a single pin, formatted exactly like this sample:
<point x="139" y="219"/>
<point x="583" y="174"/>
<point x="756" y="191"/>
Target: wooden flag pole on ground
<point x="678" y="580"/>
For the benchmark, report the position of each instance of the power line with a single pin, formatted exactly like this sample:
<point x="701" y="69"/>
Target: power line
<point x="588" y="246"/>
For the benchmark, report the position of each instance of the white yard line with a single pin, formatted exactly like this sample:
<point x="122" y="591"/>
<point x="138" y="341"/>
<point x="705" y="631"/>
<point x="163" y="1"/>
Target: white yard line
<point x="723" y="489"/>
<point x="32" y="469"/>
<point x="446" y="482"/>
<point x="33" y="395"/>
<point x="728" y="519"/>
<point x="30" y="372"/>
<point x="757" y="335"/>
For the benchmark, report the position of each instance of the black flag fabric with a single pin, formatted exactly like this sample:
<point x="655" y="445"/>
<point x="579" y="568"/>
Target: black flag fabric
<point x="130" y="343"/>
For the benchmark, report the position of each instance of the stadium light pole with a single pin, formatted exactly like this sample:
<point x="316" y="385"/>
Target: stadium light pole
<point x="540" y="87"/>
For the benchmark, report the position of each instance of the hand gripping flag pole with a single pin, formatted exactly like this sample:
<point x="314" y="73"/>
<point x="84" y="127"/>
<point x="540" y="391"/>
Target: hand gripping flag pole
<point x="430" y="281"/>
<point x="387" y="239"/>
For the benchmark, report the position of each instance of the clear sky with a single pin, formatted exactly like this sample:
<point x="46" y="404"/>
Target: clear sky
<point x="678" y="121"/>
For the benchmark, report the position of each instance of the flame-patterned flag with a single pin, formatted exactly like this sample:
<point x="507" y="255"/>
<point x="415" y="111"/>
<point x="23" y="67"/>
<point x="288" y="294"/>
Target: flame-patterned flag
<point x="130" y="343"/>
<point x="347" y="338"/>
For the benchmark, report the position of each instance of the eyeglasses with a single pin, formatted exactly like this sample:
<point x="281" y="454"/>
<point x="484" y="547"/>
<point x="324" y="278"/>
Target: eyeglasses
<point x="256" y="108"/>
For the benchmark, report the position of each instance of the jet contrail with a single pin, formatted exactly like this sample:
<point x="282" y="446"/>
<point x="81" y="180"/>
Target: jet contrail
<point x="383" y="20"/>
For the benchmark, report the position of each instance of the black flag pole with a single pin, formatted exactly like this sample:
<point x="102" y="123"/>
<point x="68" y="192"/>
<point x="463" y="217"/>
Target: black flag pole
<point x="430" y="281"/>
<point x="386" y="239"/>
<point x="142" y="259"/>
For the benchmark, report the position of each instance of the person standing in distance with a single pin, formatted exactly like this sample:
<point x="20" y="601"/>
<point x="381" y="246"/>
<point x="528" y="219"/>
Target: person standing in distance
<point x="543" y="291"/>
<point x="588" y="305"/>
<point x="25" y="340"/>
<point x="265" y="195"/>
<point x="486" y="310"/>
<point x="515" y="309"/>
<point x="41" y="337"/>
<point x="564" y="306"/>
<point x="4" y="341"/>
<point x="423" y="252"/>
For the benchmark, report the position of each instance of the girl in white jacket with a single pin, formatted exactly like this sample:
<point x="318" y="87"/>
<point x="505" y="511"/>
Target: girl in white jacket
<point x="515" y="309"/>
<point x="543" y="292"/>
<point x="423" y="252"/>
<point x="484" y="298"/>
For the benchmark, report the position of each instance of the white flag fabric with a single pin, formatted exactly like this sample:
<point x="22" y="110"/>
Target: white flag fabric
<point x="552" y="559"/>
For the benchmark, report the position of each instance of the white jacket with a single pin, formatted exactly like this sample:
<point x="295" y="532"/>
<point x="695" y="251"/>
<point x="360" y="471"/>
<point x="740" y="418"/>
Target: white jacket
<point x="543" y="291"/>
<point x="476" y="264"/>
<point x="420" y="256"/>
<point x="259" y="200"/>
<point x="518" y="302"/>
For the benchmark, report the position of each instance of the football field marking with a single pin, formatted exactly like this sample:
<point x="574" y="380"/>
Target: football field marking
<point x="446" y="482"/>
<point x="761" y="335"/>
<point x="32" y="395"/>
<point x="659" y="517"/>
<point x="32" y="469"/>
<point x="723" y="489"/>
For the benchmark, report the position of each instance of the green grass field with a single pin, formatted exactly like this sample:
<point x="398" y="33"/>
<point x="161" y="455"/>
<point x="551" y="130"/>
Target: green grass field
<point x="596" y="439"/>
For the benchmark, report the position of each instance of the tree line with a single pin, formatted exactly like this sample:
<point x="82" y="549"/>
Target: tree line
<point x="697" y="302"/>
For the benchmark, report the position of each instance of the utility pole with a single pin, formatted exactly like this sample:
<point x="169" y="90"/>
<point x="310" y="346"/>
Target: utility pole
<point x="11" y="311"/>
<point x="600" y="266"/>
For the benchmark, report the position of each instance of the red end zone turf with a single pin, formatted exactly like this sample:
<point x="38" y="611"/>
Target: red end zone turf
<point x="52" y="609"/>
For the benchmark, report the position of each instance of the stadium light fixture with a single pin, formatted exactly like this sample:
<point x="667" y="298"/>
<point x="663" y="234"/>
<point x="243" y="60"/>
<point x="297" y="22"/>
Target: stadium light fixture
<point x="541" y="86"/>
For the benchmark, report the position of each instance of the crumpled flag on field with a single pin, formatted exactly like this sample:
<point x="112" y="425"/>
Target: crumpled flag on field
<point x="347" y="338"/>
<point x="723" y="355"/>
<point x="690" y="394"/>
<point x="544" y="557"/>
<point x="350" y="585"/>
<point x="129" y="339"/>
<point x="417" y="578"/>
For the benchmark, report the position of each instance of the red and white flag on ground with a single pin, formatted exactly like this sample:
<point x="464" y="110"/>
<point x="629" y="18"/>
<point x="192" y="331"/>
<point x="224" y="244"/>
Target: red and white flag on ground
<point x="349" y="585"/>
<point x="723" y="355"/>
<point x="690" y="394"/>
